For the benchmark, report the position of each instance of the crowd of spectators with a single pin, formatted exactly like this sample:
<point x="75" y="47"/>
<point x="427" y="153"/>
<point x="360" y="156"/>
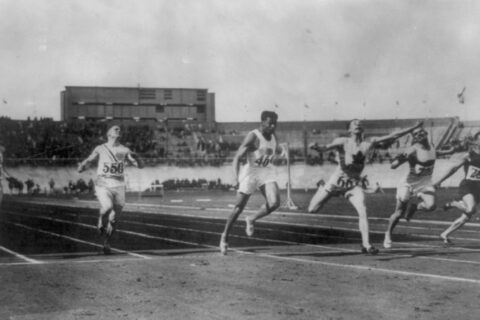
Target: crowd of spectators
<point x="182" y="184"/>
<point x="47" y="142"/>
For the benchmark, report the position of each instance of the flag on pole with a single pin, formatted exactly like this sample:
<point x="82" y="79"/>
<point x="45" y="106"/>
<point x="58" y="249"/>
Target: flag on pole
<point x="461" y="96"/>
<point x="276" y="106"/>
<point x="306" y="106"/>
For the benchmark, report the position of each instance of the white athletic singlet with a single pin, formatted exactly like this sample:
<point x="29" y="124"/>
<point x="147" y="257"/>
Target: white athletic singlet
<point x="351" y="158"/>
<point x="263" y="156"/>
<point x="111" y="165"/>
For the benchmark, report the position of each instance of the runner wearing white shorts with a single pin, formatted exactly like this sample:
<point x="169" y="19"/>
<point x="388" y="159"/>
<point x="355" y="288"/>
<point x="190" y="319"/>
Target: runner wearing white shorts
<point x="260" y="149"/>
<point x="421" y="156"/>
<point x="347" y="179"/>
<point x="110" y="184"/>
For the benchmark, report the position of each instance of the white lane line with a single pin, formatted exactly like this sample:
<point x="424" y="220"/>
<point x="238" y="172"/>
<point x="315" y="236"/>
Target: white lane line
<point x="117" y="230"/>
<point x="369" y="268"/>
<point x="76" y="239"/>
<point x="20" y="256"/>
<point x="236" y="236"/>
<point x="176" y="201"/>
<point x="203" y="200"/>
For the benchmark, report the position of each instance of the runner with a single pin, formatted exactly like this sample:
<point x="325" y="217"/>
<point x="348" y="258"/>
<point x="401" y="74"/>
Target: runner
<point x="2" y="150"/>
<point x="260" y="148"/>
<point x="469" y="188"/>
<point x="110" y="184"/>
<point x="421" y="156"/>
<point x="347" y="180"/>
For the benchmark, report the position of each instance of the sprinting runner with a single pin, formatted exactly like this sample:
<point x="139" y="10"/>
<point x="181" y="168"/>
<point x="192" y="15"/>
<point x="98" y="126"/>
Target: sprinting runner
<point x="469" y="188"/>
<point x="110" y="184"/>
<point x="2" y="150"/>
<point x="260" y="148"/>
<point x="421" y="156"/>
<point x="347" y="180"/>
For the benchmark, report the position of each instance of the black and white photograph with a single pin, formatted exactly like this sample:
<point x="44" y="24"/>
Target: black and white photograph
<point x="221" y="159"/>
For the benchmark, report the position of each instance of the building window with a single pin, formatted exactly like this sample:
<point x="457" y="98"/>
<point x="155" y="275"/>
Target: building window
<point x="201" y="95"/>
<point x="160" y="109"/>
<point x="167" y="94"/>
<point x="200" y="109"/>
<point x="147" y="94"/>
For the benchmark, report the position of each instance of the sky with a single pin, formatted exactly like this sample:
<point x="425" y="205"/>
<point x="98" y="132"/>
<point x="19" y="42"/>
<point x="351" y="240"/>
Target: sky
<point x="305" y="59"/>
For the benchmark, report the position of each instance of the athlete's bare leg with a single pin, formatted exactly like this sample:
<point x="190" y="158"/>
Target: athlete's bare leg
<point x="427" y="203"/>
<point x="400" y="208"/>
<point x="469" y="204"/>
<point x="459" y="204"/>
<point x="271" y="193"/>
<point x="240" y="204"/>
<point x="357" y="198"/>
<point x="318" y="200"/>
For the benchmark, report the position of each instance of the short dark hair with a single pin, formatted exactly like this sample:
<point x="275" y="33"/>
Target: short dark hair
<point x="349" y="122"/>
<point x="268" y="114"/>
<point x="475" y="136"/>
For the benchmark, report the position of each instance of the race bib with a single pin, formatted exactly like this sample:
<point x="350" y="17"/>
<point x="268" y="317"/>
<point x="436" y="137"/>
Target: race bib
<point x="423" y="170"/>
<point x="264" y="160"/>
<point x="112" y="168"/>
<point x="349" y="183"/>
<point x="473" y="173"/>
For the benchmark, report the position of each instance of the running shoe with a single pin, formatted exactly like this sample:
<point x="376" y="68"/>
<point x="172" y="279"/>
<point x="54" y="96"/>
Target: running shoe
<point x="370" y="251"/>
<point x="446" y="241"/>
<point x="223" y="247"/>
<point x="387" y="243"/>
<point x="106" y="248"/>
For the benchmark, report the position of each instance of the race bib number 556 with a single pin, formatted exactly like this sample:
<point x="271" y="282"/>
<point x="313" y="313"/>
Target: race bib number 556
<point x="115" y="168"/>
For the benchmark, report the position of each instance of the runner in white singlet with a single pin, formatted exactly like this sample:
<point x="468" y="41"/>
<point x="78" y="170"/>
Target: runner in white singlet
<point x="347" y="179"/>
<point x="110" y="184"/>
<point x="260" y="148"/>
<point x="2" y="150"/>
<point x="421" y="156"/>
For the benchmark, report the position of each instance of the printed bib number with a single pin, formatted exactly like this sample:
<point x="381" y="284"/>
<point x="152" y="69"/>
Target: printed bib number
<point x="349" y="183"/>
<point x="264" y="161"/>
<point x="423" y="170"/>
<point x="473" y="173"/>
<point x="115" y="168"/>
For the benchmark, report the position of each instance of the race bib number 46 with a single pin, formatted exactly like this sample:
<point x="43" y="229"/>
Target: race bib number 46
<point x="264" y="161"/>
<point x="115" y="168"/>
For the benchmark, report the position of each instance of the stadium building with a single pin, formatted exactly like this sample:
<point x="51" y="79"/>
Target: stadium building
<point x="125" y="104"/>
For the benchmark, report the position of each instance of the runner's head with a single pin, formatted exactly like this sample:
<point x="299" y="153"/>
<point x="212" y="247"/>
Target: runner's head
<point x="268" y="121"/>
<point x="475" y="146"/>
<point x="355" y="127"/>
<point x="419" y="135"/>
<point x="113" y="132"/>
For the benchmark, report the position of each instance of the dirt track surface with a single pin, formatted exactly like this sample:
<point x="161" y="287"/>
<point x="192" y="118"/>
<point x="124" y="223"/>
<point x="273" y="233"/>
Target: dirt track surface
<point x="168" y="267"/>
<point x="232" y="287"/>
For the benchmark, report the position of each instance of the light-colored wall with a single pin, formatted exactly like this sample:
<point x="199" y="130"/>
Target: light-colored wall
<point x="302" y="176"/>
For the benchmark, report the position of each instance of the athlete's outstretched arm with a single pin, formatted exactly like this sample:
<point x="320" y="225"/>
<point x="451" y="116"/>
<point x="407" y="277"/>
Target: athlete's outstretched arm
<point x="135" y="160"/>
<point x="457" y="164"/>
<point x="337" y="143"/>
<point x="446" y="152"/>
<point x="402" y="158"/>
<point x="248" y="144"/>
<point x="92" y="157"/>
<point x="397" y="134"/>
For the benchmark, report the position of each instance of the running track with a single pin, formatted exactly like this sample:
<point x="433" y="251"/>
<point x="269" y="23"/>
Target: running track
<point x="43" y="231"/>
